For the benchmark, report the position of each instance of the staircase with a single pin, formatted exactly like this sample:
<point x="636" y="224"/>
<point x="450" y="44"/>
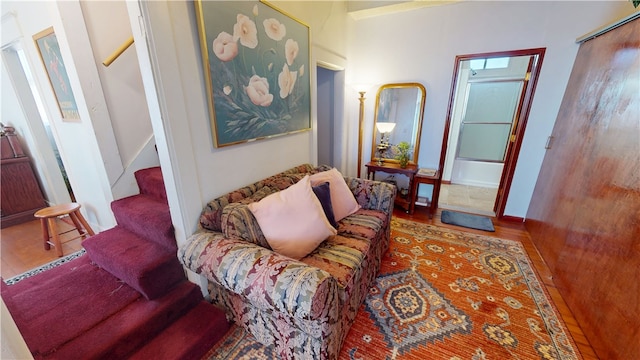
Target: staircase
<point x="127" y="298"/>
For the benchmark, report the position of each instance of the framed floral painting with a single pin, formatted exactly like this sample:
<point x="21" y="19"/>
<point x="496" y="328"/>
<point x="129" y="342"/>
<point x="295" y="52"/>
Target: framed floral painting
<point x="49" y="50"/>
<point x="256" y="68"/>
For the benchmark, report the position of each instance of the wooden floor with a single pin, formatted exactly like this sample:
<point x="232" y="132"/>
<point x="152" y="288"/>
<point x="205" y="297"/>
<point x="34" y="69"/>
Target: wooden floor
<point x="517" y="231"/>
<point x="22" y="247"/>
<point x="22" y="250"/>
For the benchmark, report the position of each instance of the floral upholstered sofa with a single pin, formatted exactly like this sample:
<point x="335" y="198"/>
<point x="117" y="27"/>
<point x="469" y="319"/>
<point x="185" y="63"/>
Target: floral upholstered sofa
<point x="303" y="308"/>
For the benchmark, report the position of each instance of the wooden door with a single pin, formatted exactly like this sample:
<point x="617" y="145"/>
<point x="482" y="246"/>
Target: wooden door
<point x="584" y="216"/>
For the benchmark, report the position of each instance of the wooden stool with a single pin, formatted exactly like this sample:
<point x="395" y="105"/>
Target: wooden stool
<point x="48" y="217"/>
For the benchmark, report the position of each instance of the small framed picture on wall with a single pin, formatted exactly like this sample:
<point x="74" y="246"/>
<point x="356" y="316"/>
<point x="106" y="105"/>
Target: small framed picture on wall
<point x="47" y="45"/>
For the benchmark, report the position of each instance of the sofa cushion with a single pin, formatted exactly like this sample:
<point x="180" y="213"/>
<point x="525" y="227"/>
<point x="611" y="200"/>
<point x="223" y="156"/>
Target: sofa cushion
<point x="342" y="255"/>
<point x="364" y="224"/>
<point x="292" y="220"/>
<point x="238" y="221"/>
<point x="211" y="216"/>
<point x="342" y="199"/>
<point x="323" y="193"/>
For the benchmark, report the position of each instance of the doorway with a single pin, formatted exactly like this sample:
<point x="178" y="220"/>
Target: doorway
<point x="21" y="246"/>
<point x="33" y="126"/>
<point x="490" y="100"/>
<point x="330" y="106"/>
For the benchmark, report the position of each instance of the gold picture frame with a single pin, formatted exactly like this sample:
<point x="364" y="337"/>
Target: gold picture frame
<point x="256" y="62"/>
<point x="49" y="50"/>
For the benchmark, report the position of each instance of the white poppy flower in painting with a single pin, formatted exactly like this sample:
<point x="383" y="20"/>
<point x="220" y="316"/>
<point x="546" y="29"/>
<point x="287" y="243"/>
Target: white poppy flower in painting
<point x="291" y="50"/>
<point x="226" y="90"/>
<point x="258" y="91"/>
<point x="274" y="29"/>
<point x="286" y="81"/>
<point x="245" y="30"/>
<point x="225" y="46"/>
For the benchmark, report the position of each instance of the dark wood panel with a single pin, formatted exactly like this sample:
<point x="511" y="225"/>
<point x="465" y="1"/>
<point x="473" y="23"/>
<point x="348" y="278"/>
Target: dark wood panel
<point x="584" y="216"/>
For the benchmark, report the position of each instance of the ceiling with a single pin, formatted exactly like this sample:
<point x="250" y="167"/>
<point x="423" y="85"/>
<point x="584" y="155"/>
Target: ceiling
<point x="364" y="9"/>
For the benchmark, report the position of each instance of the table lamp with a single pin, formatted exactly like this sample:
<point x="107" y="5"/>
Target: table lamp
<point x="384" y="128"/>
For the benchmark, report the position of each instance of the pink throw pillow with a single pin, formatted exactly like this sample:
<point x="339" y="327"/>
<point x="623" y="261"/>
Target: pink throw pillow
<point x="342" y="199"/>
<point x="292" y="220"/>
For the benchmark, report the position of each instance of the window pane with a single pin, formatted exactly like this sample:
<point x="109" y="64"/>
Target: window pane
<point x="486" y="142"/>
<point x="497" y="63"/>
<point x="476" y="64"/>
<point x="492" y="101"/>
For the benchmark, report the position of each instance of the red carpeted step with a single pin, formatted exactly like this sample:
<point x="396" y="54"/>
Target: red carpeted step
<point x="142" y="264"/>
<point x="151" y="183"/>
<point x="148" y="218"/>
<point x="58" y="305"/>
<point x="125" y="332"/>
<point x="190" y="337"/>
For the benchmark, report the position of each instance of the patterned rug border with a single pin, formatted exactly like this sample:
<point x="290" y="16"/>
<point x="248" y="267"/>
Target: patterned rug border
<point x="534" y="282"/>
<point x="45" y="267"/>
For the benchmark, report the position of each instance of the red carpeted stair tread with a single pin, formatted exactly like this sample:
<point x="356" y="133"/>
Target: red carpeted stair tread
<point x="122" y="334"/>
<point x="190" y="337"/>
<point x="51" y="311"/>
<point x="143" y="265"/>
<point x="146" y="217"/>
<point x="151" y="183"/>
<point x="92" y="307"/>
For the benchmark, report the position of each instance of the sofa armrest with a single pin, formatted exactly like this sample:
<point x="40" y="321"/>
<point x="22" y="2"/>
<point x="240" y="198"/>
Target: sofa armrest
<point x="373" y="195"/>
<point x="268" y="280"/>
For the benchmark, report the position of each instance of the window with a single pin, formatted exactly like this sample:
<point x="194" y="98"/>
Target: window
<point x="491" y="63"/>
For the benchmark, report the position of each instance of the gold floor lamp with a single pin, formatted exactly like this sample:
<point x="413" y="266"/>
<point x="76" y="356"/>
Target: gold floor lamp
<point x="361" y="129"/>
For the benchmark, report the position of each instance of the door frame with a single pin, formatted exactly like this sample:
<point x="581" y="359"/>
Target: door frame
<point x="522" y="116"/>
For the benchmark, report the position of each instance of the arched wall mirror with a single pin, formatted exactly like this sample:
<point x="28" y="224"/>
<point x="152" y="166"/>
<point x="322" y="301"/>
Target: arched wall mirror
<point x="398" y="117"/>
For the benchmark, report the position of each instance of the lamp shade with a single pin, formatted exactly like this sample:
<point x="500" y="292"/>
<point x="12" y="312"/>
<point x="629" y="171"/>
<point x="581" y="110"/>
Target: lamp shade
<point x="385" y="127"/>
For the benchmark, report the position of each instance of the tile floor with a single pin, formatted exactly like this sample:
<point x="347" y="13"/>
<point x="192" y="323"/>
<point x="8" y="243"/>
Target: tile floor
<point x="474" y="199"/>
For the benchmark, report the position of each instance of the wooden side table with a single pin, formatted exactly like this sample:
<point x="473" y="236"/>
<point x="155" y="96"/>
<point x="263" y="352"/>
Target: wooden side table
<point x="428" y="179"/>
<point x="407" y="202"/>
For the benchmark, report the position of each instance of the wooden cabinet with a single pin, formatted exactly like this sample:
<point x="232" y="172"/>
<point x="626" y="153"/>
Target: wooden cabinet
<point x="20" y="193"/>
<point x="407" y="201"/>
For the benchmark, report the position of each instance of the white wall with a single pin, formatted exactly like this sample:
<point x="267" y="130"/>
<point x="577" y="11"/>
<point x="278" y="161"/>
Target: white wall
<point x="108" y="27"/>
<point x="12" y="343"/>
<point x="421" y="45"/>
<point x="78" y="146"/>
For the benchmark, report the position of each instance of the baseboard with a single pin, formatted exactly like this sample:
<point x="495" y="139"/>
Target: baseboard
<point x="512" y="218"/>
<point x="18" y="218"/>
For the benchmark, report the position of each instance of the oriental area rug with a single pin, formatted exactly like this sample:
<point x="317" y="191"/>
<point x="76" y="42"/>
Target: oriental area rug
<point x="444" y="294"/>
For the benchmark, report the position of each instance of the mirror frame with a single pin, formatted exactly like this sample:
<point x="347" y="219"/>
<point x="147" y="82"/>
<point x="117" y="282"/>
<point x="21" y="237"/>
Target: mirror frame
<point x="416" y="141"/>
